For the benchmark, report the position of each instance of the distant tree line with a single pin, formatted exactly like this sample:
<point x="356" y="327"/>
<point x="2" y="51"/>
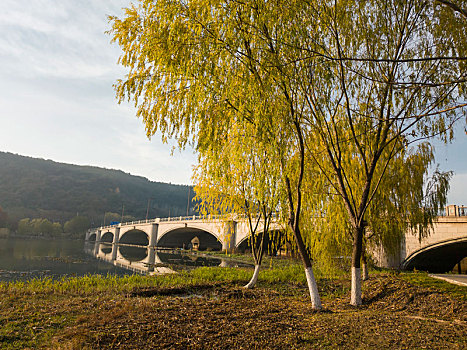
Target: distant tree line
<point x="44" y="227"/>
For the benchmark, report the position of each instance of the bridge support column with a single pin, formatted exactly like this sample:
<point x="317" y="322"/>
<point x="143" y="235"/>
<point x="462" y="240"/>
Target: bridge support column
<point x="96" y="247"/>
<point x="116" y="235"/>
<point x="229" y="236"/>
<point x="153" y="235"/>
<point x="98" y="235"/>
<point x="115" y="243"/>
<point x="98" y="242"/>
<point x="151" y="258"/>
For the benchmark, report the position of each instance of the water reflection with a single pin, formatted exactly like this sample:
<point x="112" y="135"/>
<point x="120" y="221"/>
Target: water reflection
<point x="28" y="258"/>
<point x="151" y="261"/>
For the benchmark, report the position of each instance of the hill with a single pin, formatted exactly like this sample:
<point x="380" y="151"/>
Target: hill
<point x="38" y="188"/>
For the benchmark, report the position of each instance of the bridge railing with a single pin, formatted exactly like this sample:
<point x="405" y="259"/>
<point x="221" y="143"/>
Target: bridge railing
<point x="180" y="218"/>
<point x="455" y="210"/>
<point x="174" y="218"/>
<point x="193" y="218"/>
<point x="149" y="221"/>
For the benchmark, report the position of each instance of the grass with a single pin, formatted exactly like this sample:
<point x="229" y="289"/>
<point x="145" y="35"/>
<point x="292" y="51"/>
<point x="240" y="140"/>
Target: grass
<point x="280" y="275"/>
<point x="139" y="311"/>
<point x="291" y="274"/>
<point x="424" y="280"/>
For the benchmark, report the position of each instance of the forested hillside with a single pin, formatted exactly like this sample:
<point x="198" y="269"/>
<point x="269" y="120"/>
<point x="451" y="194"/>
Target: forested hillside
<point x="38" y="188"/>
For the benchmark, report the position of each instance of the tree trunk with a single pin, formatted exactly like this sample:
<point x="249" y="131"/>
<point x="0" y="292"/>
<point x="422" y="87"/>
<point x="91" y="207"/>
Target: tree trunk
<point x="254" y="278"/>
<point x="310" y="277"/>
<point x="313" y="288"/>
<point x="356" y="287"/>
<point x="364" y="267"/>
<point x="294" y="218"/>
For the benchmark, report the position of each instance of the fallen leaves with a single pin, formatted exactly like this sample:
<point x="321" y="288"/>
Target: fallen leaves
<point x="226" y="316"/>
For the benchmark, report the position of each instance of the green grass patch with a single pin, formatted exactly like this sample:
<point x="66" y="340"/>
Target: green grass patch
<point x="290" y="274"/>
<point x="424" y="280"/>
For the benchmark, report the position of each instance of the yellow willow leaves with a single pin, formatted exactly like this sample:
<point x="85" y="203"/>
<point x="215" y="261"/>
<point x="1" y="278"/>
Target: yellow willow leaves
<point x="356" y="81"/>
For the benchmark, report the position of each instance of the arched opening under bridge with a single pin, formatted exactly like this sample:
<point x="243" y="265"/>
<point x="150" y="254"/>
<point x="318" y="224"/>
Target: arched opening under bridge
<point x="135" y="237"/>
<point x="272" y="243"/>
<point x="182" y="238"/>
<point x="107" y="237"/>
<point x="438" y="258"/>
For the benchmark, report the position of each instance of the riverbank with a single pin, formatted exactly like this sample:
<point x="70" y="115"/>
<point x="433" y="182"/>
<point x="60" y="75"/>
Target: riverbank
<point x="71" y="236"/>
<point x="207" y="308"/>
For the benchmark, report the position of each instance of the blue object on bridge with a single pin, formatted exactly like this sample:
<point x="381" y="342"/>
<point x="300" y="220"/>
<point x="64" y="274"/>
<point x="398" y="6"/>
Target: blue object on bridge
<point x="114" y="223"/>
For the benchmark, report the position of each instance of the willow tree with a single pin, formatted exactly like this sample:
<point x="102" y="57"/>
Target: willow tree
<point x="360" y="79"/>
<point x="377" y="77"/>
<point x="411" y="200"/>
<point x="236" y="176"/>
<point x="192" y="67"/>
<point x="356" y="78"/>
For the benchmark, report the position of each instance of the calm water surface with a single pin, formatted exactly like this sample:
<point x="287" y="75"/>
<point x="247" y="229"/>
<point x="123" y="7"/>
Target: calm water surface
<point x="24" y="259"/>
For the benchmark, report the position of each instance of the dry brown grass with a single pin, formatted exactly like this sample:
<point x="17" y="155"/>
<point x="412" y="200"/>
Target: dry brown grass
<point x="396" y="315"/>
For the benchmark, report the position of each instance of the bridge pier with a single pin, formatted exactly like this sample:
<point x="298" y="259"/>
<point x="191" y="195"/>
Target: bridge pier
<point x="96" y="248"/>
<point x="98" y="235"/>
<point x="88" y="234"/>
<point x="116" y="235"/>
<point x="151" y="259"/>
<point x="115" y="243"/>
<point x="153" y="235"/>
<point x="229" y="236"/>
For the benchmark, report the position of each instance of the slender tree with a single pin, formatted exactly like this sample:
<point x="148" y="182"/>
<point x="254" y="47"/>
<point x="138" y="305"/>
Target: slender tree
<point x="352" y="84"/>
<point x="239" y="181"/>
<point x="194" y="67"/>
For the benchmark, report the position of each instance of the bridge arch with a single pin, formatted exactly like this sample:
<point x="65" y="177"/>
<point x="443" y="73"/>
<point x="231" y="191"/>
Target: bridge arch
<point x="135" y="237"/>
<point x="107" y="237"/>
<point x="181" y="237"/>
<point x="92" y="237"/>
<point x="439" y="257"/>
<point x="269" y="247"/>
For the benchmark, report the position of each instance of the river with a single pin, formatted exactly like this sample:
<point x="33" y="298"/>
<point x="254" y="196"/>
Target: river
<point x="27" y="258"/>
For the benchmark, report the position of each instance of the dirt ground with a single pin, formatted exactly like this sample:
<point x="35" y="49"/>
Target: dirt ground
<point x="395" y="315"/>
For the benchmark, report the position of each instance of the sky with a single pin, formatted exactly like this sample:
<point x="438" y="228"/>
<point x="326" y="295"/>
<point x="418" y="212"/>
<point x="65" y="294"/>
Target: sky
<point x="56" y="96"/>
<point x="57" y="67"/>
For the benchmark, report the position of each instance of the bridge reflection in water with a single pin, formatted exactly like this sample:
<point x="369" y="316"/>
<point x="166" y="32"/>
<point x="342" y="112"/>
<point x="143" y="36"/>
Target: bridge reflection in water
<point x="153" y="261"/>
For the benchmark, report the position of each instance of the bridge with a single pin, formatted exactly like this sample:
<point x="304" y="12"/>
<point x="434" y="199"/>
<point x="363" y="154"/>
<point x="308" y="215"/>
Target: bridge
<point x="443" y="249"/>
<point x="199" y="232"/>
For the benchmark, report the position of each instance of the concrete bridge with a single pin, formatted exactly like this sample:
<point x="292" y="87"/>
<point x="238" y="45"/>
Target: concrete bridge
<point x="445" y="247"/>
<point x="207" y="232"/>
<point x="441" y="251"/>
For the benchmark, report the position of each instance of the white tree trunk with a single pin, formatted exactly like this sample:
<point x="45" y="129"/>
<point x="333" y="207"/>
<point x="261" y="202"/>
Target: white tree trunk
<point x="364" y="271"/>
<point x="253" y="280"/>
<point x="356" y="289"/>
<point x="313" y="288"/>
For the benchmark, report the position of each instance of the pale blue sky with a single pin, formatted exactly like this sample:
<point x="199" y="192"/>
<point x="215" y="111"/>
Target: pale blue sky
<point x="56" y="96"/>
<point x="57" y="101"/>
